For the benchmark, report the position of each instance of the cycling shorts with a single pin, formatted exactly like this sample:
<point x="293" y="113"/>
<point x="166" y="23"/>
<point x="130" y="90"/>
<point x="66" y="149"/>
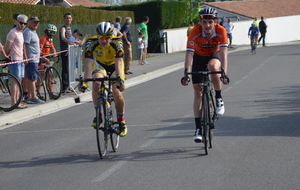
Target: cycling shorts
<point x="104" y="69"/>
<point x="200" y="64"/>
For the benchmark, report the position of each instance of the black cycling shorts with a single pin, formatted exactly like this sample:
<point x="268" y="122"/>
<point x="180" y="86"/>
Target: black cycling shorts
<point x="200" y="64"/>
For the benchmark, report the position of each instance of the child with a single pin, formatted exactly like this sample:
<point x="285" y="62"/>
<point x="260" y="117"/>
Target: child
<point x="140" y="48"/>
<point x="75" y="38"/>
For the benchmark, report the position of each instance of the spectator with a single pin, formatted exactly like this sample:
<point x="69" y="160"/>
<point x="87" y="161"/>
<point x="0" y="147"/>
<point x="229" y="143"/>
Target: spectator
<point x="255" y="21"/>
<point x="144" y="29"/>
<point x="222" y="21"/>
<point x="191" y="26"/>
<point x="263" y="30"/>
<point x="3" y="51"/>
<point x="117" y="32"/>
<point x="32" y="50"/>
<point x="140" y="48"/>
<point x="118" y="23"/>
<point x="75" y="38"/>
<point x="14" y="48"/>
<point x="65" y="33"/>
<point x="127" y="40"/>
<point x="229" y="27"/>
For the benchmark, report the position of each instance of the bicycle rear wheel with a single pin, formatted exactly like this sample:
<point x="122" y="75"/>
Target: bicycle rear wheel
<point x="53" y="83"/>
<point x="114" y="135"/>
<point x="40" y="88"/>
<point x="205" y="122"/>
<point x="101" y="129"/>
<point x="9" y="85"/>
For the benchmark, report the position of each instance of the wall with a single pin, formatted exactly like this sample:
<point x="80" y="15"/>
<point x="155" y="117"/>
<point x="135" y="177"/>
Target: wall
<point x="280" y="29"/>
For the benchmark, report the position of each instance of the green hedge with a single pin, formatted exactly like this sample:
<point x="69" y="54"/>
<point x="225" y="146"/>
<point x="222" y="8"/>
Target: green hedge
<point x="50" y="14"/>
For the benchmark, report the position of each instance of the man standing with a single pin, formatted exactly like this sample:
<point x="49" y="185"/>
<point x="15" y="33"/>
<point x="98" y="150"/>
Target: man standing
<point x="144" y="29"/>
<point x="117" y="23"/>
<point x="65" y="33"/>
<point x="263" y="31"/>
<point x="32" y="50"/>
<point x="229" y="27"/>
<point x="127" y="40"/>
<point x="14" y="48"/>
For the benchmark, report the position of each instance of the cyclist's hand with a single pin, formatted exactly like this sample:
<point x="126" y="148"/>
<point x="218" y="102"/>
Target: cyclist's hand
<point x="225" y="79"/>
<point x="83" y="87"/>
<point x="121" y="85"/>
<point x="47" y="61"/>
<point x="185" y="80"/>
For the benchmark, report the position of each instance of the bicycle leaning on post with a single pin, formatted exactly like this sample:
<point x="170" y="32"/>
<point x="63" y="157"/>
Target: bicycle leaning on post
<point x="208" y="110"/>
<point x="7" y="80"/>
<point x="107" y="125"/>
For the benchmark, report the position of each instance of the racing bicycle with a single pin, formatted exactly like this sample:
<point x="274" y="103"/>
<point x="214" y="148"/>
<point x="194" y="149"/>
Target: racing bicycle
<point x="208" y="111"/>
<point x="107" y="125"/>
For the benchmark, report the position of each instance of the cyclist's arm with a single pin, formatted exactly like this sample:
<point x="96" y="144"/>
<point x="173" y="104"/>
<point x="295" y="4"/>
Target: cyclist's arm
<point x="188" y="61"/>
<point x="224" y="58"/>
<point x="88" y="62"/>
<point x="118" y="66"/>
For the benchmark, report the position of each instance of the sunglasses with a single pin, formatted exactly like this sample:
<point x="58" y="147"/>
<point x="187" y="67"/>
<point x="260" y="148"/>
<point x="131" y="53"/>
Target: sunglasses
<point x="52" y="32"/>
<point x="104" y="37"/>
<point x="22" y="23"/>
<point x="207" y="16"/>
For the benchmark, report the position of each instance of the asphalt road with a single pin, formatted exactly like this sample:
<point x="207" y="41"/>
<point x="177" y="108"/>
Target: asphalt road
<point x="255" y="145"/>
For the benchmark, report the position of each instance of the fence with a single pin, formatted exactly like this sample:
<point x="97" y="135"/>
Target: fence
<point x="75" y="63"/>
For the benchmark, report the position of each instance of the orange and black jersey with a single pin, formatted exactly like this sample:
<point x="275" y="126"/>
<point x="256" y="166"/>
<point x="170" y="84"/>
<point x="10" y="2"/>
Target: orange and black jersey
<point x="104" y="55"/>
<point x="198" y="43"/>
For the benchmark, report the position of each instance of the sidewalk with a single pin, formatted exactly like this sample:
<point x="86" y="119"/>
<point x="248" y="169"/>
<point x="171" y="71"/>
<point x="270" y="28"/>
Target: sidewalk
<point x="160" y="64"/>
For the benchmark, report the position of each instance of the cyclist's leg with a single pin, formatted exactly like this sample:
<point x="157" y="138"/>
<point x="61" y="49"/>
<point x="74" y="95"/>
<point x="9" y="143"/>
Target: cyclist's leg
<point x="214" y="64"/>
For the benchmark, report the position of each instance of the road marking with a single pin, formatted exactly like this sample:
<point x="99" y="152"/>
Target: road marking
<point x="153" y="139"/>
<point x="111" y="170"/>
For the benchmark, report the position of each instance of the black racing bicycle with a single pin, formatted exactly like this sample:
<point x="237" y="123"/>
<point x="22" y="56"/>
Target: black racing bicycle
<point x="9" y="85"/>
<point x="107" y="125"/>
<point x="208" y="111"/>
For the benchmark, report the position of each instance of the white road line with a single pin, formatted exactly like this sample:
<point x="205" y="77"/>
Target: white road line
<point x="151" y="141"/>
<point x="112" y="169"/>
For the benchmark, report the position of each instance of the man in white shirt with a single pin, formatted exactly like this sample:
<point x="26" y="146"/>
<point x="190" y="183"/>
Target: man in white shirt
<point x="229" y="27"/>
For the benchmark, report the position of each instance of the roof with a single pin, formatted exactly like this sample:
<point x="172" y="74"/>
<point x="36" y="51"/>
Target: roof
<point x="257" y="8"/>
<point x="86" y="3"/>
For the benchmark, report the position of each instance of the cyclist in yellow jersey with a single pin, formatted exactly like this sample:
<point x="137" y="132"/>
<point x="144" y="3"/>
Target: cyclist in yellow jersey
<point x="101" y="56"/>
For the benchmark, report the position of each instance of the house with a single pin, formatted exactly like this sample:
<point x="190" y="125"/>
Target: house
<point x="61" y="3"/>
<point x="248" y="9"/>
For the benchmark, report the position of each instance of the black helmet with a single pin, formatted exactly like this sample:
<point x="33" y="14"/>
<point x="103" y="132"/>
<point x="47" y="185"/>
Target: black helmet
<point x="105" y="29"/>
<point x="208" y="11"/>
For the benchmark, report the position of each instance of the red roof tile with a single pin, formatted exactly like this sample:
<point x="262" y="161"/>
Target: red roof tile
<point x="257" y="8"/>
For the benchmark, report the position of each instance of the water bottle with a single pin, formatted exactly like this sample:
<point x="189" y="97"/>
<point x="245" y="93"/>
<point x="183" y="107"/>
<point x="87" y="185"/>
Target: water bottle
<point x="5" y="70"/>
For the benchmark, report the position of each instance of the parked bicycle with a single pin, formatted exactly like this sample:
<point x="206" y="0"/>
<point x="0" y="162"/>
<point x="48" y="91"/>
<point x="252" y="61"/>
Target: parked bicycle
<point x="208" y="111"/>
<point x="52" y="82"/>
<point x="107" y="125"/>
<point x="8" y="84"/>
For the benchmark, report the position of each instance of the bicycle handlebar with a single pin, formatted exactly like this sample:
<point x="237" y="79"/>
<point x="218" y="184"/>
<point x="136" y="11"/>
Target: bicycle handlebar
<point x="224" y="76"/>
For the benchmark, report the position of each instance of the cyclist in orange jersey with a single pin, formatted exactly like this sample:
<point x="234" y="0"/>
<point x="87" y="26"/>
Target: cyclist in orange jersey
<point x="206" y="50"/>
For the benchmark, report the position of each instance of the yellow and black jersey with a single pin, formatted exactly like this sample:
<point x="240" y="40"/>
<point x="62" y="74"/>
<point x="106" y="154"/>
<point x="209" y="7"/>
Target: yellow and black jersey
<point x="104" y="55"/>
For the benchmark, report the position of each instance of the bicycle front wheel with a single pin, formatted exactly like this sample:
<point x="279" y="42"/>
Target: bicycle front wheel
<point x="40" y="88"/>
<point x="11" y="92"/>
<point x="114" y="135"/>
<point x="53" y="83"/>
<point x="101" y="129"/>
<point x="205" y="121"/>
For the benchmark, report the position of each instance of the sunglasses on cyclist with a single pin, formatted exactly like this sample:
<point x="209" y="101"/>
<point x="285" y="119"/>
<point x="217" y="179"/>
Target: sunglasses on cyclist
<point x="207" y="16"/>
<point x="52" y="32"/>
<point x="104" y="37"/>
<point x="23" y="23"/>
